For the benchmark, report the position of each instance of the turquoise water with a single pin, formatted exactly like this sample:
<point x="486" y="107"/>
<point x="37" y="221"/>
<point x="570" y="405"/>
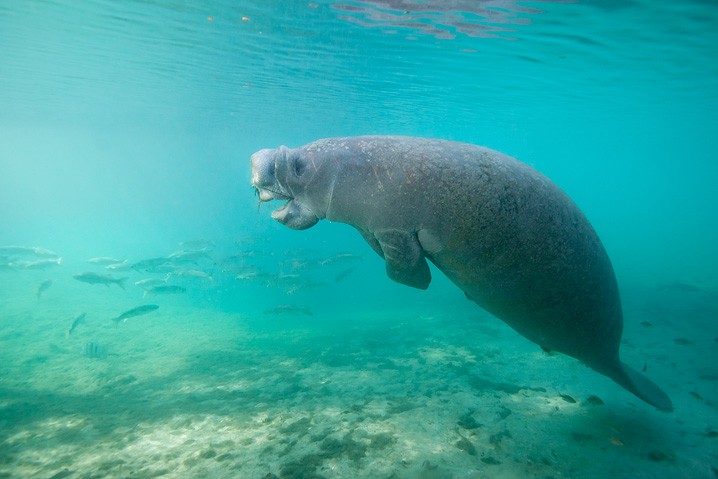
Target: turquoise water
<point x="126" y="129"/>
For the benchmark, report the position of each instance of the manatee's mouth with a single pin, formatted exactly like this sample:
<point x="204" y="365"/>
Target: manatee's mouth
<point x="281" y="212"/>
<point x="293" y="213"/>
<point x="266" y="194"/>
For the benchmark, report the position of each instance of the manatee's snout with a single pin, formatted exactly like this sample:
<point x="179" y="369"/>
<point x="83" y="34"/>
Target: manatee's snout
<point x="270" y="179"/>
<point x="264" y="179"/>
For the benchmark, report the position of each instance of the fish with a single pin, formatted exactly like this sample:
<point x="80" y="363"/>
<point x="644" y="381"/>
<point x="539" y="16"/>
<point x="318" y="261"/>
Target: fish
<point x="43" y="287"/>
<point x="295" y="264"/>
<point x="105" y="260"/>
<point x="246" y="272"/>
<point x="187" y="256"/>
<point x="680" y="287"/>
<point x="37" y="251"/>
<point x="289" y="309"/>
<point x="245" y="240"/>
<point x="340" y="258"/>
<point x="95" y="278"/>
<point x="14" y="250"/>
<point x="616" y="441"/>
<point x="149" y="282"/>
<point x="197" y="245"/>
<point x="162" y="268"/>
<point x="298" y="284"/>
<point x="6" y="266"/>
<point x="94" y="350"/>
<point x="139" y="310"/>
<point x="248" y="275"/>
<point x="149" y="264"/>
<point x="239" y="257"/>
<point x="80" y="318"/>
<point x="122" y="266"/>
<point x="190" y="273"/>
<point x="342" y="275"/>
<point x="165" y="289"/>
<point x="38" y="264"/>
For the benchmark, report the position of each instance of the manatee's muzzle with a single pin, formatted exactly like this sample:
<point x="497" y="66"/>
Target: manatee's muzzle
<point x="263" y="176"/>
<point x="293" y="213"/>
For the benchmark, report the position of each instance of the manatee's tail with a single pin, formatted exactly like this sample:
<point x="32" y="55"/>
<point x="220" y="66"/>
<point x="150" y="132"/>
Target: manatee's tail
<point x="642" y="387"/>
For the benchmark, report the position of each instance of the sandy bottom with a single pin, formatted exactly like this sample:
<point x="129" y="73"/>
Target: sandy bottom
<point x="437" y="393"/>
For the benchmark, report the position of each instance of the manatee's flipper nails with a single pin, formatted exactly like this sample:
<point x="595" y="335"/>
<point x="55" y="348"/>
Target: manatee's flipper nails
<point x="405" y="262"/>
<point x="644" y="388"/>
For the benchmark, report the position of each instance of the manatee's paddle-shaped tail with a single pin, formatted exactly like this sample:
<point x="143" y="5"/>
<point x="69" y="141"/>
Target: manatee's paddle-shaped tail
<point x="642" y="387"/>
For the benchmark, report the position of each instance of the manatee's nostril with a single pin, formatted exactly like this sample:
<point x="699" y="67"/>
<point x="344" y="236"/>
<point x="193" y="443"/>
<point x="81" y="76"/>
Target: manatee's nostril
<point x="299" y="165"/>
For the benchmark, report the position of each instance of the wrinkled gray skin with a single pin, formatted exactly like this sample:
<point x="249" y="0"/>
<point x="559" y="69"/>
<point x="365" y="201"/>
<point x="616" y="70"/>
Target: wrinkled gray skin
<point x="502" y="232"/>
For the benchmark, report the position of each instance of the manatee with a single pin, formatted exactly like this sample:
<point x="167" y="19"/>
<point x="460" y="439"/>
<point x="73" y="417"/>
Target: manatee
<point x="513" y="241"/>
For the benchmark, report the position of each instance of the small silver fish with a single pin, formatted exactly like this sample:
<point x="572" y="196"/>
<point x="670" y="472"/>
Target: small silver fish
<point x="183" y="256"/>
<point x="165" y="289"/>
<point x="340" y="258"/>
<point x="37" y="251"/>
<point x="190" y="273"/>
<point x="27" y="250"/>
<point x="7" y="266"/>
<point x="15" y="250"/>
<point x="197" y="245"/>
<point x="94" y="278"/>
<point x="43" y="287"/>
<point x="342" y="275"/>
<point x="122" y="266"/>
<point x="39" y="264"/>
<point x="149" y="264"/>
<point x="149" y="282"/>
<point x="680" y="287"/>
<point x="105" y="260"/>
<point x="248" y="275"/>
<point x="78" y="319"/>
<point x="289" y="309"/>
<point x="139" y="310"/>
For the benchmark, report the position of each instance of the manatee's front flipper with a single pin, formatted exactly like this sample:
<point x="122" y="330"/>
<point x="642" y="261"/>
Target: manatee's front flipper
<point x="405" y="262"/>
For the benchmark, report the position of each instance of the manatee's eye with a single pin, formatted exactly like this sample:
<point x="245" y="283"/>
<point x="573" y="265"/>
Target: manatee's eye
<point x="299" y="164"/>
